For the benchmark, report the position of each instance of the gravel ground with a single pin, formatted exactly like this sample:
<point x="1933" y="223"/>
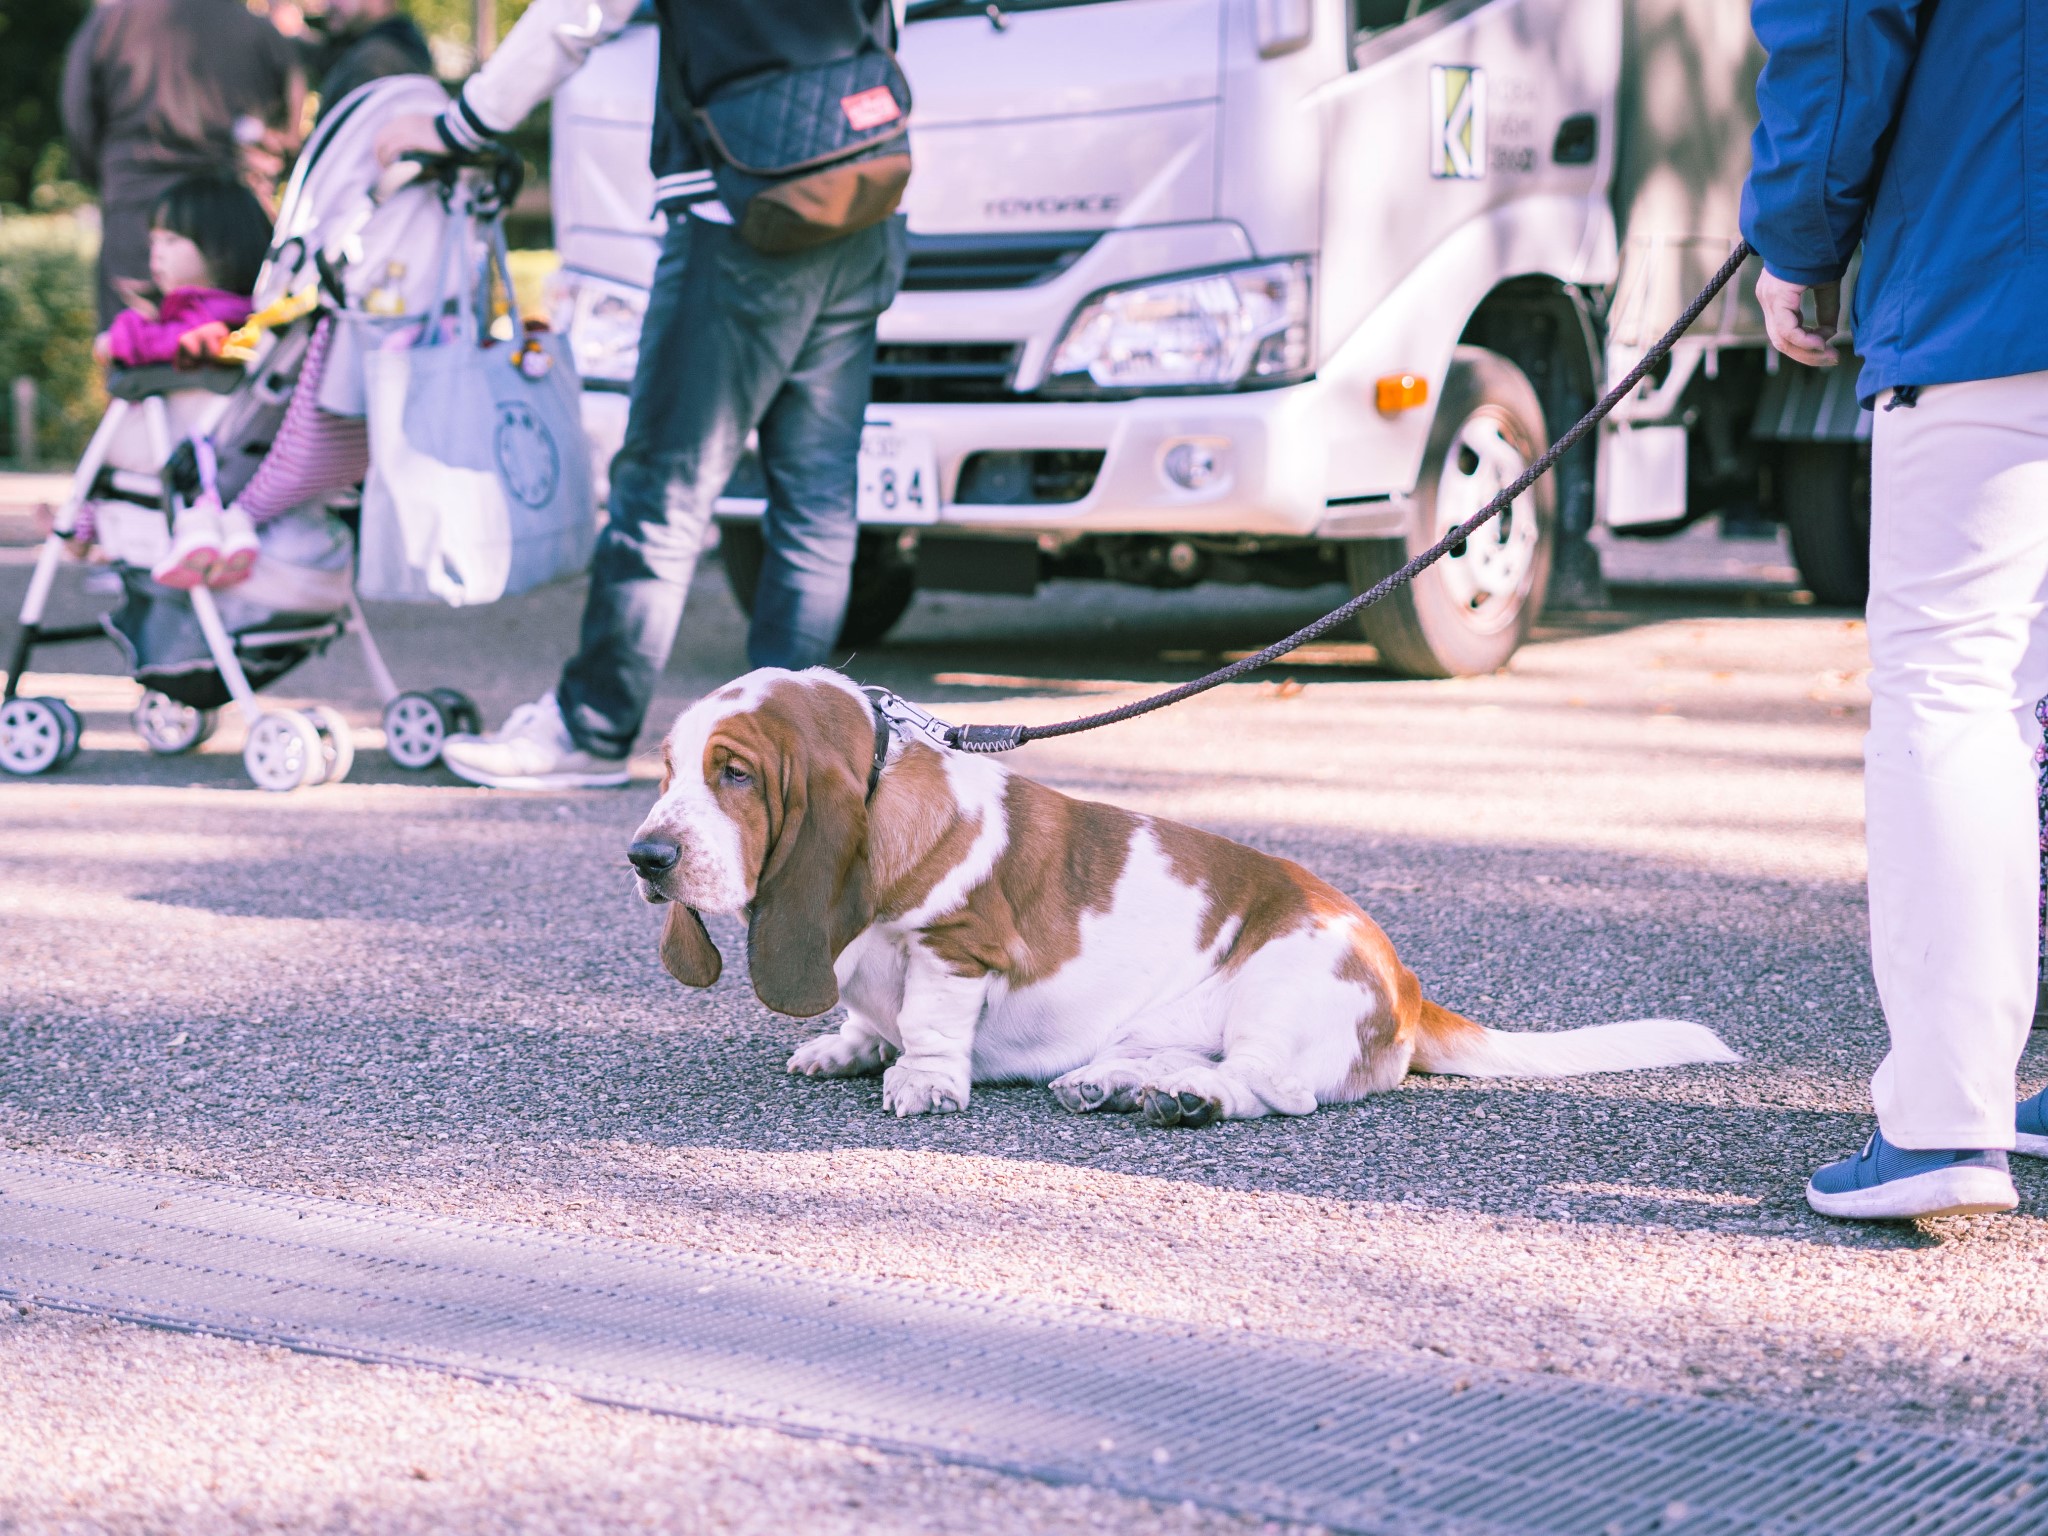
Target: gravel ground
<point x="405" y="991"/>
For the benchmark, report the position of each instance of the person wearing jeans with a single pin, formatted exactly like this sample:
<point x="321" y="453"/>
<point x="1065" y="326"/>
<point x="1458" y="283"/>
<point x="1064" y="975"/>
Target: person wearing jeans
<point x="734" y="342"/>
<point x="1913" y="129"/>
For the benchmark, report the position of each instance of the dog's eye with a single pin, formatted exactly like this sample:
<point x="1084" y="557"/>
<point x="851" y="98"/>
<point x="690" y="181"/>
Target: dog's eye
<point x="733" y="775"/>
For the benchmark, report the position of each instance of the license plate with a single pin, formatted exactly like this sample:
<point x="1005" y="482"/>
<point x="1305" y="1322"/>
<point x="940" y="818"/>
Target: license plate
<point x="899" y="477"/>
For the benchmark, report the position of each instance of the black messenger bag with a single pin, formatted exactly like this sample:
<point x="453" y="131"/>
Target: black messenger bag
<point x="804" y="156"/>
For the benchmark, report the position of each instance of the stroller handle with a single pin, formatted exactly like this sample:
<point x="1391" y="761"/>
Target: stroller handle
<point x="504" y="174"/>
<point x="398" y="175"/>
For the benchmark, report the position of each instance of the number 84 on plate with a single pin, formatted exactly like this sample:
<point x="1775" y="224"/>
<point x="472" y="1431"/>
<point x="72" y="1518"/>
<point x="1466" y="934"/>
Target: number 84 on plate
<point x="899" y="477"/>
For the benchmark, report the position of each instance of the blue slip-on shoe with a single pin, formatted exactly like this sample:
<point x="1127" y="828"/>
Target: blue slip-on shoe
<point x="2030" y="1126"/>
<point x="1888" y="1183"/>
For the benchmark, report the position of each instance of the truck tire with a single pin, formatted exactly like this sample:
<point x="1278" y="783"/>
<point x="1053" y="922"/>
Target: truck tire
<point x="884" y="581"/>
<point x="1471" y="611"/>
<point x="1824" y="490"/>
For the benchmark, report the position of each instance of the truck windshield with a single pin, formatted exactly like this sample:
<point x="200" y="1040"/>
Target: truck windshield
<point x="934" y="10"/>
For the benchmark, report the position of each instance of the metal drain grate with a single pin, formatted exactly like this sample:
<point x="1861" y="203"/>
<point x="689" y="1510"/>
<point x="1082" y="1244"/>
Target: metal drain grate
<point x="1268" y="1427"/>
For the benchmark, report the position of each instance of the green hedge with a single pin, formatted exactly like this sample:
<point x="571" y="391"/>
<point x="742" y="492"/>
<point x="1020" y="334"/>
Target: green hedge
<point x="48" y="317"/>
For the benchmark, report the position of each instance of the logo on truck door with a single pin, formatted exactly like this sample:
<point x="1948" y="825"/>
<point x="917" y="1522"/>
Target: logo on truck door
<point x="1457" y="110"/>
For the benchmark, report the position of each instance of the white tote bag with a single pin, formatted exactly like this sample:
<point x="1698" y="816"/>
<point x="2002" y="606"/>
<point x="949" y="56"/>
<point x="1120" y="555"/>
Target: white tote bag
<point x="479" y="483"/>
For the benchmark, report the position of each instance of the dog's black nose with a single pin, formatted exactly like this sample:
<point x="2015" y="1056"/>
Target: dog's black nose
<point x="652" y="856"/>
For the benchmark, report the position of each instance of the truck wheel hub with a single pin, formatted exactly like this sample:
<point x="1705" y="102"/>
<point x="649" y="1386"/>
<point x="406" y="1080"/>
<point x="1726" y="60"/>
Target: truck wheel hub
<point x="1487" y="578"/>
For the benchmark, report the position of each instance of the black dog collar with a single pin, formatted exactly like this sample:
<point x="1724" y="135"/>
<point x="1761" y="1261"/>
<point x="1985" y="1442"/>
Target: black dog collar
<point x="884" y="733"/>
<point x="893" y="714"/>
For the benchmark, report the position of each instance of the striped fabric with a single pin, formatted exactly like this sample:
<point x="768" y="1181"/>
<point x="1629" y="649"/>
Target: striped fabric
<point x="683" y="187"/>
<point x="316" y="453"/>
<point x="461" y="129"/>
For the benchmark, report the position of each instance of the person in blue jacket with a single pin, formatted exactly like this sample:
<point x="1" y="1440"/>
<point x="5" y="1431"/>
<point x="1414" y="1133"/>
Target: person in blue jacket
<point x="1919" y="131"/>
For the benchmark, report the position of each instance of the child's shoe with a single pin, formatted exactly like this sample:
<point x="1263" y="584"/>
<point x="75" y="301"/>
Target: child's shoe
<point x="238" y="549"/>
<point x="195" y="546"/>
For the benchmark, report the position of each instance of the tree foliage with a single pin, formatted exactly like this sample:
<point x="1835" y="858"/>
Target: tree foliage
<point x="454" y="20"/>
<point x="48" y="314"/>
<point x="32" y="41"/>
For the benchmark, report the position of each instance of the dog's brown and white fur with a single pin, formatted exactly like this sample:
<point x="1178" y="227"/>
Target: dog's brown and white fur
<point x="980" y="927"/>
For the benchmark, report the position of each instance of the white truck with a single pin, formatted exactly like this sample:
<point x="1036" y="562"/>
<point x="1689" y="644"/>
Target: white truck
<point x="1277" y="290"/>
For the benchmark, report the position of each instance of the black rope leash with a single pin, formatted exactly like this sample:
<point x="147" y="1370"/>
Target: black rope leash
<point x="1005" y="738"/>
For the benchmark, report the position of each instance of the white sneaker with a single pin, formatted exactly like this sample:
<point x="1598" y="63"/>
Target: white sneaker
<point x="531" y="750"/>
<point x="238" y="549"/>
<point x="195" y="546"/>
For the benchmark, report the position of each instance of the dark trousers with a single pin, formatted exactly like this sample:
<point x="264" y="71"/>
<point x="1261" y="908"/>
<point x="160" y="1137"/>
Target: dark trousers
<point x="734" y="342"/>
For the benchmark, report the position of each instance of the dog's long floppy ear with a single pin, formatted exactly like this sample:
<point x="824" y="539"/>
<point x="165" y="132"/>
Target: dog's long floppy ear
<point x="812" y="898"/>
<point x="687" y="952"/>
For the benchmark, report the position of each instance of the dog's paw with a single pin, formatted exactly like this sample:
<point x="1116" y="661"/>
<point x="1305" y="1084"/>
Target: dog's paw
<point x="913" y="1090"/>
<point x="1186" y="1109"/>
<point x="840" y="1055"/>
<point x="1088" y="1089"/>
<point x="1194" y="1096"/>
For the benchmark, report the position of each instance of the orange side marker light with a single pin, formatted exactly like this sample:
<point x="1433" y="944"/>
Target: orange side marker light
<point x="1399" y="392"/>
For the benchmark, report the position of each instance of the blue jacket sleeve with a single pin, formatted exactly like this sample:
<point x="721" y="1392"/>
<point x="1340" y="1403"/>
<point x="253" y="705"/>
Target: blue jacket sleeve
<point x="1827" y="100"/>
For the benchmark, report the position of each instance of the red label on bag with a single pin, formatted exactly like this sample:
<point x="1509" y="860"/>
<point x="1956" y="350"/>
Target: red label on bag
<point x="870" y="108"/>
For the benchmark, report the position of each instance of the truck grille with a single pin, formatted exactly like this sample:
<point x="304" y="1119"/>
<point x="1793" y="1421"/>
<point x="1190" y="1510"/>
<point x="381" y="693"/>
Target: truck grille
<point x="1036" y="477"/>
<point x="920" y="373"/>
<point x="993" y="261"/>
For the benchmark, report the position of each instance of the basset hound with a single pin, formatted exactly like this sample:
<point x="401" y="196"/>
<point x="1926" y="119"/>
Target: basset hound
<point x="982" y="928"/>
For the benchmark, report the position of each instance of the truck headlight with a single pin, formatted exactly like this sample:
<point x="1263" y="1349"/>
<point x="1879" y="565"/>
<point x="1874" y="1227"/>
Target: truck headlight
<point x="602" y="321"/>
<point x="1227" y="329"/>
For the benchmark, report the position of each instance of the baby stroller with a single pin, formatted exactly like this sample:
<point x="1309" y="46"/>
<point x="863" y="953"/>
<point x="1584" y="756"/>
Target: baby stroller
<point x="344" y="267"/>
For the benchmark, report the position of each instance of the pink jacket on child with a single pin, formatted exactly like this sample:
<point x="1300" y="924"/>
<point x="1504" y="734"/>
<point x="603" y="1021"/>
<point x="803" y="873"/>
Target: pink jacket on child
<point x="136" y="341"/>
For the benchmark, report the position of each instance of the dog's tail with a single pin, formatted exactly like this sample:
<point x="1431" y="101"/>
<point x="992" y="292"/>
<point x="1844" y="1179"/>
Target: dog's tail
<point x="1449" y="1043"/>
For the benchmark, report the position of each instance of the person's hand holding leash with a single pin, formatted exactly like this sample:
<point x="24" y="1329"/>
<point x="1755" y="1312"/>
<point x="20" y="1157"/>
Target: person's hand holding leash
<point x="1784" y="307"/>
<point x="412" y="133"/>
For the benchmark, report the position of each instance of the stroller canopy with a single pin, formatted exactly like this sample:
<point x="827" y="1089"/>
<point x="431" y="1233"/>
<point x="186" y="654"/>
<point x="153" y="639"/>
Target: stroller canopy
<point x="329" y="205"/>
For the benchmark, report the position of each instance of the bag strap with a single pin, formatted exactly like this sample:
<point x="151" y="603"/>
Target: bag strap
<point x="673" y="86"/>
<point x="458" y="238"/>
<point x="453" y="244"/>
<point x="527" y="352"/>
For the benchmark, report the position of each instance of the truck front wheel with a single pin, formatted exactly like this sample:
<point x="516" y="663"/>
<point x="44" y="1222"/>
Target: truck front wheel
<point x="1469" y="612"/>
<point x="884" y="580"/>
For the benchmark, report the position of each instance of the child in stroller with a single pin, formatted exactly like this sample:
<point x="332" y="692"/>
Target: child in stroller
<point x="207" y="241"/>
<point x="187" y="457"/>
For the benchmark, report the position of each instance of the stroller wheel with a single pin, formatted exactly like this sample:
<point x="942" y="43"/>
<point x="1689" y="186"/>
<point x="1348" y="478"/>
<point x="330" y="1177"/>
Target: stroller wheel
<point x="33" y="735"/>
<point x="167" y="727"/>
<point x="415" y="725"/>
<point x="68" y="718"/>
<point x="338" y="747"/>
<point x="459" y="710"/>
<point x="284" y="751"/>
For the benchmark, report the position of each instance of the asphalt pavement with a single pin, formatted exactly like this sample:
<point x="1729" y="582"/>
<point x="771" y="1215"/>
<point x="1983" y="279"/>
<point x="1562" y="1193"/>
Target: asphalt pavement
<point x="405" y="991"/>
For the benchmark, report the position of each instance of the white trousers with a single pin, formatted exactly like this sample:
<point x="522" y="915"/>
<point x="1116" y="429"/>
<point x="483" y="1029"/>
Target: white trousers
<point x="1958" y="659"/>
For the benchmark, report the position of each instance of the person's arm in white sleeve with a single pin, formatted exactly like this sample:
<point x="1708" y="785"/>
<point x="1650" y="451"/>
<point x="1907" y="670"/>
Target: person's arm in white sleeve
<point x="545" y="47"/>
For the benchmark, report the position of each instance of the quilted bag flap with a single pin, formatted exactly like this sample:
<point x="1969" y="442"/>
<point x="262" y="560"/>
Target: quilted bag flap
<point x="797" y="120"/>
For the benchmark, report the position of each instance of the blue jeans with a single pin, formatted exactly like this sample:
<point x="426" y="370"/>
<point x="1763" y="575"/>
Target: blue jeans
<point x="734" y="342"/>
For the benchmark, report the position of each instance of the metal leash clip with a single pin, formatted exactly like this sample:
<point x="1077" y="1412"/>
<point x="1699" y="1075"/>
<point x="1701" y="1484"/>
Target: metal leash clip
<point x="906" y="716"/>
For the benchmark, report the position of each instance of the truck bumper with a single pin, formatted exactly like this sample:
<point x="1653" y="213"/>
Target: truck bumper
<point x="1258" y="457"/>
